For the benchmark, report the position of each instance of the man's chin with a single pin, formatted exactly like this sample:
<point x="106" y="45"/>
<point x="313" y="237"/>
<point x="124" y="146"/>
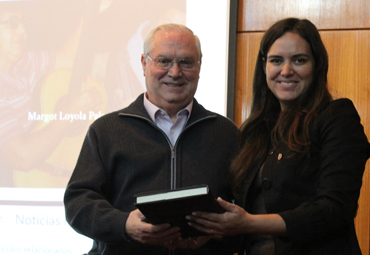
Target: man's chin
<point x="179" y="100"/>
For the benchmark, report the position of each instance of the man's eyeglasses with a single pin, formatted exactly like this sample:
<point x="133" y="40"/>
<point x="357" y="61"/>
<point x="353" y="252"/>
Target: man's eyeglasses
<point x="13" y="22"/>
<point x="166" y="63"/>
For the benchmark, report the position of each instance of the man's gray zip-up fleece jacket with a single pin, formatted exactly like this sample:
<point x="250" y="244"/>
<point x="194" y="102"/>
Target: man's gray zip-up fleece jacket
<point x="125" y="153"/>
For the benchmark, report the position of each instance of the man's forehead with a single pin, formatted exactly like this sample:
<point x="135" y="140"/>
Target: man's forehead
<point x="173" y="33"/>
<point x="175" y="42"/>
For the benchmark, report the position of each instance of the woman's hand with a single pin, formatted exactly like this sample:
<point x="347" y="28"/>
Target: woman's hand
<point x="237" y="221"/>
<point x="232" y="222"/>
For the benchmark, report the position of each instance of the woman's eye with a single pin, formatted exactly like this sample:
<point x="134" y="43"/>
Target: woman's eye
<point x="300" y="61"/>
<point x="275" y="60"/>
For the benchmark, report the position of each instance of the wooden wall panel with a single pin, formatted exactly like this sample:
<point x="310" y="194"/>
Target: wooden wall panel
<point x="257" y="15"/>
<point x="349" y="66"/>
<point x="247" y="46"/>
<point x="349" y="76"/>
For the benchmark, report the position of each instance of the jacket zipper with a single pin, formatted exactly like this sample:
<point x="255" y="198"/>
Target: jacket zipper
<point x="173" y="149"/>
<point x="173" y="167"/>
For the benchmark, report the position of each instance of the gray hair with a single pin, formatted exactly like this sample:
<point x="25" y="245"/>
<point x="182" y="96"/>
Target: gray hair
<point x="148" y="43"/>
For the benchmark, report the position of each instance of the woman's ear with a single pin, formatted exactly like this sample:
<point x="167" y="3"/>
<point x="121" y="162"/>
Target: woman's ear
<point x="264" y="65"/>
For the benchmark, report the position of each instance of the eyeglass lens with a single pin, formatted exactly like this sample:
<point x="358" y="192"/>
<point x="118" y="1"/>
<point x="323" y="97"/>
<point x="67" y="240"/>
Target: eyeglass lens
<point x="166" y="63"/>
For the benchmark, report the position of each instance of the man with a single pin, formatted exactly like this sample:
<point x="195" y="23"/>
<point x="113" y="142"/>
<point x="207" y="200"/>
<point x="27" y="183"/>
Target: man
<point x="163" y="140"/>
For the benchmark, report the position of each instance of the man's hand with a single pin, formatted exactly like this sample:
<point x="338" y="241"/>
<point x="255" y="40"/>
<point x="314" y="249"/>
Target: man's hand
<point x="146" y="233"/>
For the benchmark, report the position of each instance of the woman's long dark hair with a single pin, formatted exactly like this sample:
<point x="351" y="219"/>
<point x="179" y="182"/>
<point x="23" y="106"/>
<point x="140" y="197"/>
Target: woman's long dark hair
<point x="292" y="125"/>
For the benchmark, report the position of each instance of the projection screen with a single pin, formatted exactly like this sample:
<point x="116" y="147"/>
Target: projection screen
<point x="63" y="64"/>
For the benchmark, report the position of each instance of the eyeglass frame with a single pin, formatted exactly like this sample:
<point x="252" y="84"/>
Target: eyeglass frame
<point x="172" y="62"/>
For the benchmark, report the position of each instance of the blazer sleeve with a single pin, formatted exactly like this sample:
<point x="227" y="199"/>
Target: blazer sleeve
<point x="343" y="152"/>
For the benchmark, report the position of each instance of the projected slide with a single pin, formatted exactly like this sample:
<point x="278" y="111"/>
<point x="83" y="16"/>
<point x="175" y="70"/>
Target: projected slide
<point x="63" y="64"/>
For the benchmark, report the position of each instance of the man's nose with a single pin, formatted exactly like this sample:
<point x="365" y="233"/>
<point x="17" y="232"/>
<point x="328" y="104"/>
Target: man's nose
<point x="175" y="70"/>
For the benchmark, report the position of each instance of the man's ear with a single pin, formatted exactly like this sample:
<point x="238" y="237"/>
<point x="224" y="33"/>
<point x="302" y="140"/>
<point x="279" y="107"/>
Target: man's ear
<point x="143" y="62"/>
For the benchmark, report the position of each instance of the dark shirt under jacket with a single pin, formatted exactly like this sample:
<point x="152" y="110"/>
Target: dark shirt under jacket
<point x="317" y="195"/>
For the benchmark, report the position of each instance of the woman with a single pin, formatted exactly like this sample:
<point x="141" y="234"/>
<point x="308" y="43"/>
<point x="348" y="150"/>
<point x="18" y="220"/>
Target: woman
<point x="299" y="172"/>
